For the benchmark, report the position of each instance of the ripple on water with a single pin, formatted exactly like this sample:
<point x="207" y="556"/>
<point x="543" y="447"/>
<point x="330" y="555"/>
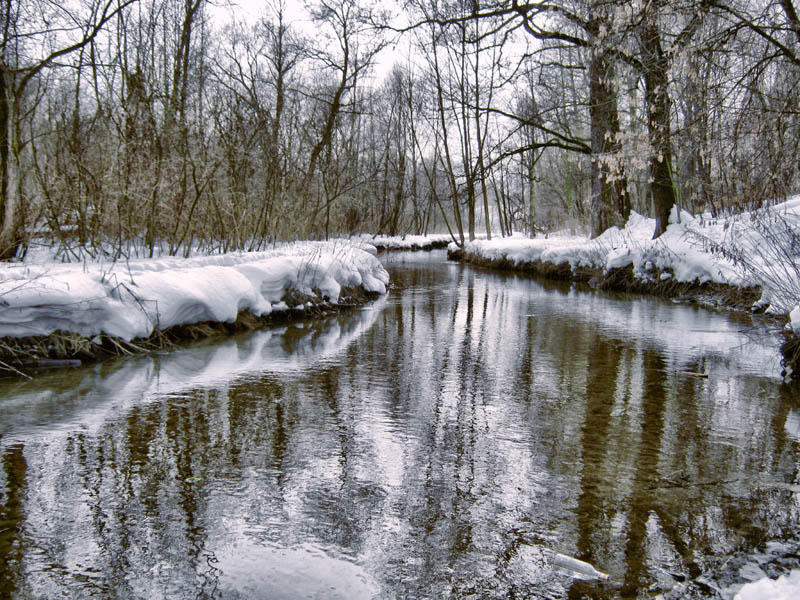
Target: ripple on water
<point x="250" y="570"/>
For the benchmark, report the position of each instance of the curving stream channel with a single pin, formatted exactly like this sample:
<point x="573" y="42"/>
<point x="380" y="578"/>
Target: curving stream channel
<point x="443" y="442"/>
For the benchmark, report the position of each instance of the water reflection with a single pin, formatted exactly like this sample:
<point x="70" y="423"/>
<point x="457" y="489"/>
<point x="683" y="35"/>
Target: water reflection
<point x="87" y="397"/>
<point x="438" y="445"/>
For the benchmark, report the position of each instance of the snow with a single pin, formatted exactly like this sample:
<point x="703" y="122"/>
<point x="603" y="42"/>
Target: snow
<point x="785" y="587"/>
<point x="794" y="319"/>
<point x="130" y="299"/>
<point x="744" y="250"/>
<point x="257" y="570"/>
<point x="405" y="242"/>
<point x="616" y="248"/>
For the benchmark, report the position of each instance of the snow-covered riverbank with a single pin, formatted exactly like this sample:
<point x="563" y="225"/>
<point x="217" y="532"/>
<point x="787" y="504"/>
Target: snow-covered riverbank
<point x="736" y="251"/>
<point x="137" y="298"/>
<point x="755" y="254"/>
<point x="405" y="242"/>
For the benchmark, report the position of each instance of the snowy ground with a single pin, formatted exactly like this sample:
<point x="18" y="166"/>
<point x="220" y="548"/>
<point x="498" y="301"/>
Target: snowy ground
<point x="129" y="299"/>
<point x="761" y="248"/>
<point x="785" y="587"/>
<point x="406" y="242"/>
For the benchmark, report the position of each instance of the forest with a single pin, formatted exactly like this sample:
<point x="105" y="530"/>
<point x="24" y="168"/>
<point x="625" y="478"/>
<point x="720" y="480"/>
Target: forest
<point x="144" y="127"/>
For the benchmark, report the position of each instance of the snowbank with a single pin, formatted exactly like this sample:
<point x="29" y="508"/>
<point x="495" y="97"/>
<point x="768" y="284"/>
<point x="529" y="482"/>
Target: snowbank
<point x="128" y="300"/>
<point x="785" y="587"/>
<point x="750" y="249"/>
<point x="406" y="242"/>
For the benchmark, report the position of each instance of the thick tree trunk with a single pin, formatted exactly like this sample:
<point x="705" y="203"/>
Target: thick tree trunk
<point x="10" y="238"/>
<point x="610" y="204"/>
<point x="658" y="124"/>
<point x="601" y="204"/>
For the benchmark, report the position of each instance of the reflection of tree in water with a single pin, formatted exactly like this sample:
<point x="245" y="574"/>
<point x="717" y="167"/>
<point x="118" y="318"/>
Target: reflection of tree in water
<point x="594" y="510"/>
<point x="684" y="503"/>
<point x="335" y="503"/>
<point x="443" y="450"/>
<point x="641" y="499"/>
<point x="448" y="497"/>
<point x="149" y="513"/>
<point x="664" y="434"/>
<point x="13" y="490"/>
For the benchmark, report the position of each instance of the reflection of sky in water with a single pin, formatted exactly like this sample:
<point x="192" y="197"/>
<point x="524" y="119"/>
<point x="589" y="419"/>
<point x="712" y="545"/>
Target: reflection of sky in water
<point x="94" y="394"/>
<point x="793" y="424"/>
<point x="254" y="571"/>
<point x="687" y="333"/>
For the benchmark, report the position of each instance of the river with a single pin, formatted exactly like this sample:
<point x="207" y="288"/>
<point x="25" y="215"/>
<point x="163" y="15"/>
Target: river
<point x="442" y="442"/>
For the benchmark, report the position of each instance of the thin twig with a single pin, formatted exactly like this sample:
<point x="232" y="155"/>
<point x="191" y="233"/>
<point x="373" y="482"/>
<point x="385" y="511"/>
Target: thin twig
<point x="14" y="370"/>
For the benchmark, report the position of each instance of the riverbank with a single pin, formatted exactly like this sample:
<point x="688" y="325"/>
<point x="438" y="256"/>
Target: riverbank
<point x="56" y="315"/>
<point x="385" y="243"/>
<point x="624" y="279"/>
<point x="747" y="262"/>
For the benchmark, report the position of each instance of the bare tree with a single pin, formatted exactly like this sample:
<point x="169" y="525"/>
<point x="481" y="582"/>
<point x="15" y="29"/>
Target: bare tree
<point x="350" y="57"/>
<point x="79" y="27"/>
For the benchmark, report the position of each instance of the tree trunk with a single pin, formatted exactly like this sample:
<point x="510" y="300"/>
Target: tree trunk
<point x="480" y="136"/>
<point x="610" y="204"/>
<point x="599" y="128"/>
<point x="10" y="238"/>
<point x="658" y="124"/>
<point x="448" y="164"/>
<point x="532" y="196"/>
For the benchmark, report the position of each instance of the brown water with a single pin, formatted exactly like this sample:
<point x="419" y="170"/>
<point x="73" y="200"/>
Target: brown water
<point x="441" y="443"/>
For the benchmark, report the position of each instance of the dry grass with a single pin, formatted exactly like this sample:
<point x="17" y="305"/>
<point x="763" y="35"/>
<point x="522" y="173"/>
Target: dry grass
<point x="57" y="345"/>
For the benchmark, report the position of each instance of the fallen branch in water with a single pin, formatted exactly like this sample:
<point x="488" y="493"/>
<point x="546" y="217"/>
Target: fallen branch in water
<point x="8" y="367"/>
<point x="683" y="482"/>
<point x="693" y="374"/>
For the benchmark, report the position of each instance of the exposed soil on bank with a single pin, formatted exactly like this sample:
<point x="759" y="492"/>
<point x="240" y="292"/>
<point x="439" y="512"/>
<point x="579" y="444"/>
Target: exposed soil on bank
<point x="24" y="357"/>
<point x="659" y="283"/>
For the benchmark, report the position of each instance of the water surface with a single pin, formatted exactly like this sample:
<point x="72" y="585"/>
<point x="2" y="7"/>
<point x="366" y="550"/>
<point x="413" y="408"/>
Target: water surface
<point x="443" y="442"/>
